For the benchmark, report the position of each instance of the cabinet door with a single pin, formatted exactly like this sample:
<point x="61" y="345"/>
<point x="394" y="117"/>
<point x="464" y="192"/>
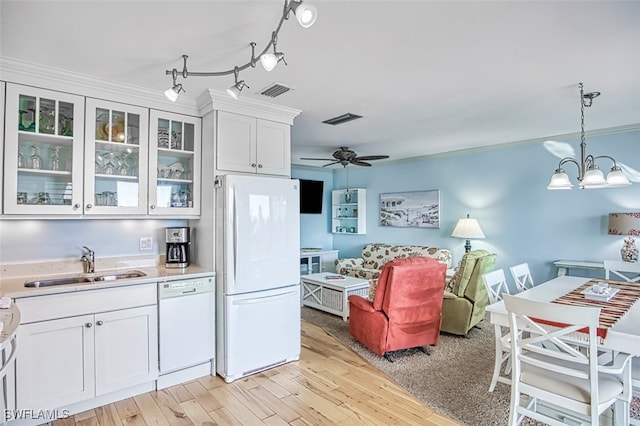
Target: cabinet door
<point x="273" y="148"/>
<point x="43" y="151"/>
<point x="174" y="164"/>
<point x="2" y="85"/>
<point x="126" y="348"/>
<point x="236" y="142"/>
<point x="116" y="158"/>
<point x="55" y="363"/>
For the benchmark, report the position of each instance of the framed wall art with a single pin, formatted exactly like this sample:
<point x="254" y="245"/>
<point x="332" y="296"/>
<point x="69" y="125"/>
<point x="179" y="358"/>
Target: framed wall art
<point x="417" y="209"/>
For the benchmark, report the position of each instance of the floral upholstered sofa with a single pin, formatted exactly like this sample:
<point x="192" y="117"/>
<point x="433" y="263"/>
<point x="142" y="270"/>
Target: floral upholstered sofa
<point x="375" y="255"/>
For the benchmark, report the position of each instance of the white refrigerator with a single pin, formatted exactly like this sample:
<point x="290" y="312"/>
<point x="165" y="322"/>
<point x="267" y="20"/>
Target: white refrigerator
<point x="258" y="274"/>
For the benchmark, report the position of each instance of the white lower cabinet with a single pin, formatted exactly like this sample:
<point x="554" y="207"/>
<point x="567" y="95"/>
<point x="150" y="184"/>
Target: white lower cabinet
<point x="69" y="359"/>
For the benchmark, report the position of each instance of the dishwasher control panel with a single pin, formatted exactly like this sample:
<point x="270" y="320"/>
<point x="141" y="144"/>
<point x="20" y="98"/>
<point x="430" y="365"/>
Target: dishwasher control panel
<point x="185" y="287"/>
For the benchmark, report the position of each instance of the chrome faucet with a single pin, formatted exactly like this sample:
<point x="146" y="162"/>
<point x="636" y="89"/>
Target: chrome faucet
<point x="89" y="260"/>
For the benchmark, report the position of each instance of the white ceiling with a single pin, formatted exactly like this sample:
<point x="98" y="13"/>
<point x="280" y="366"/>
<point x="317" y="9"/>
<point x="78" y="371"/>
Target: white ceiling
<point x="427" y="76"/>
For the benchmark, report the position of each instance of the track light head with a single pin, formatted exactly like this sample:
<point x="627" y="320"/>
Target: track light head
<point x="270" y="60"/>
<point x="305" y="15"/>
<point x="234" y="91"/>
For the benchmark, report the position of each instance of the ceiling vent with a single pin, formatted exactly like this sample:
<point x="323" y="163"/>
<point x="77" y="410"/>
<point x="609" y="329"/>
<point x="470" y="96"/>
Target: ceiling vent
<point x="342" y="119"/>
<point x="275" y="89"/>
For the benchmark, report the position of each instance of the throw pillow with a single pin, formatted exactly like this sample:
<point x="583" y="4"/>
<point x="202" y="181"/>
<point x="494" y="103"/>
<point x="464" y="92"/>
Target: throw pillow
<point x="452" y="281"/>
<point x="373" y="286"/>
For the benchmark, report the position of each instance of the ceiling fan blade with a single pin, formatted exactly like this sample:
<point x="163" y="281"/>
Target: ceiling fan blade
<point x="323" y="159"/>
<point x="360" y="163"/>
<point x="372" y="157"/>
<point x="330" y="164"/>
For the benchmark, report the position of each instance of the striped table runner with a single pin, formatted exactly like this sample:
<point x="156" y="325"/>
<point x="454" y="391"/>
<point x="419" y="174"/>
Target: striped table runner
<point x="612" y="310"/>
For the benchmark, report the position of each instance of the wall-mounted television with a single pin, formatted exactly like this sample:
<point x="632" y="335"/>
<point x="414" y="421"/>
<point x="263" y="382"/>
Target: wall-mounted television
<point x="311" y="194"/>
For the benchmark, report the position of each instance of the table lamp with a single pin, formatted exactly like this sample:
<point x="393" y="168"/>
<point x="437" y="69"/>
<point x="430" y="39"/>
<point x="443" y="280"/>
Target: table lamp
<point x="468" y="228"/>
<point x="626" y="224"/>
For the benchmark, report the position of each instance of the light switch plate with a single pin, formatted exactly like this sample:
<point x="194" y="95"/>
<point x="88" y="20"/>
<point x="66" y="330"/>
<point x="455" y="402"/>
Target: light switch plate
<point x="146" y="243"/>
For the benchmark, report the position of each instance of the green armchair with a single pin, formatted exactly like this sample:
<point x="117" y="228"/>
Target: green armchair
<point x="465" y="298"/>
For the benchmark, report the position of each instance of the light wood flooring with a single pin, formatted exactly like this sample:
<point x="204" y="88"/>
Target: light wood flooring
<point x="330" y="385"/>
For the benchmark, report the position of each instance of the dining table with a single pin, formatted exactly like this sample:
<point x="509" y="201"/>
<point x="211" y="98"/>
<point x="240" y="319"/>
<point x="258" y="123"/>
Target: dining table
<point x="621" y="336"/>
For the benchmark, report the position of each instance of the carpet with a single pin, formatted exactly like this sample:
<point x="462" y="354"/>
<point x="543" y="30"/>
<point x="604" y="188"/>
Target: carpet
<point x="453" y="380"/>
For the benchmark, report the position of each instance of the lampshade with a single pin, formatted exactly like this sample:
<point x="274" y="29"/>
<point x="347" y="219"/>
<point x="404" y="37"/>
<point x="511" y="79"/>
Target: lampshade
<point x="468" y="228"/>
<point x="593" y="178"/>
<point x="624" y="224"/>
<point x="306" y="15"/>
<point x="560" y="180"/>
<point x="172" y="92"/>
<point x="617" y="178"/>
<point x="269" y="61"/>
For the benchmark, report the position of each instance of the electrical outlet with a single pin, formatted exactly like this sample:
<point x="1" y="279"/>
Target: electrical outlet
<point x="146" y="243"/>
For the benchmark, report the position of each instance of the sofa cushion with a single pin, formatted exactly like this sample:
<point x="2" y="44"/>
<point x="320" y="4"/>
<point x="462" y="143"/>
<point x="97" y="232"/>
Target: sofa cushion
<point x="376" y="255"/>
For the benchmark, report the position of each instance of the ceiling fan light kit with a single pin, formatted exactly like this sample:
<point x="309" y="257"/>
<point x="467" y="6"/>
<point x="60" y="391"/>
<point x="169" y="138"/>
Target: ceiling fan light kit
<point x="306" y="16"/>
<point x="589" y="175"/>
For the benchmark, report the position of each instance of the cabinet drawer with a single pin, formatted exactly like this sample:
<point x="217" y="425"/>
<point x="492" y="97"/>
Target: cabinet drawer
<point x="60" y="305"/>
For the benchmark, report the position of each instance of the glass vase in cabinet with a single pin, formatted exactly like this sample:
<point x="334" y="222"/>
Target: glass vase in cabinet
<point x="348" y="211"/>
<point x="174" y="164"/>
<point x="44" y="145"/>
<point x="116" y="160"/>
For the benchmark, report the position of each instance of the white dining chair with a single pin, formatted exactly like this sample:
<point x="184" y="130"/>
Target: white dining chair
<point x="565" y="382"/>
<point x="522" y="276"/>
<point x="496" y="284"/>
<point x="616" y="269"/>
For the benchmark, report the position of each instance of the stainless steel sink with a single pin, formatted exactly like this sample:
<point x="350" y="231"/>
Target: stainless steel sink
<point x="119" y="276"/>
<point x="58" y="281"/>
<point x="80" y="279"/>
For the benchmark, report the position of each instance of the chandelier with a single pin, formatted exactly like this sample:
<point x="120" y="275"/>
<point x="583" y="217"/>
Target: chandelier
<point x="305" y="15"/>
<point x="589" y="175"/>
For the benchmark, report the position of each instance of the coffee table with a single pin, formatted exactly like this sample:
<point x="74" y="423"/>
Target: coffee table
<point x="331" y="295"/>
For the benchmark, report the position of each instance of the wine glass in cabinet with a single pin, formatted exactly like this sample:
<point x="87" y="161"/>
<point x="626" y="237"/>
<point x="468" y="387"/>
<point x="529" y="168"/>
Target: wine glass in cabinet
<point x="174" y="164"/>
<point x="116" y="149"/>
<point x="44" y="145"/>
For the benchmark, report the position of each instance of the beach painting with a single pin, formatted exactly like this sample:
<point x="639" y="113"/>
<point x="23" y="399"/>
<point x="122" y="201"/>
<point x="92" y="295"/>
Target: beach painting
<point x="416" y="209"/>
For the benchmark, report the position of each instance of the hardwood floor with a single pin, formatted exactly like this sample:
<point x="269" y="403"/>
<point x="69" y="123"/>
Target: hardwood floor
<point x="330" y="385"/>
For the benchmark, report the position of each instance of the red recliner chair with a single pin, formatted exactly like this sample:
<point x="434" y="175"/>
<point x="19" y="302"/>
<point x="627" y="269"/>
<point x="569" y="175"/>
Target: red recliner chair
<point x="407" y="308"/>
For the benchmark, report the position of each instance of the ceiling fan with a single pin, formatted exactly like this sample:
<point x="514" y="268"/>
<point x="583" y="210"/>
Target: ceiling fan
<point x="346" y="156"/>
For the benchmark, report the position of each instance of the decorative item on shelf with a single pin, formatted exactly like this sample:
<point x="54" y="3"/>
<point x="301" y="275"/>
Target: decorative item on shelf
<point x="626" y="224"/>
<point x="55" y="158"/>
<point x="109" y="167"/>
<point x="35" y="161"/>
<point x="21" y="161"/>
<point x="468" y="229"/>
<point x="589" y="175"/>
<point x="65" y="125"/>
<point x="176" y="170"/>
<point x="305" y="15"/>
<point x="47" y="120"/>
<point x="163" y="138"/>
<point x="22" y="198"/>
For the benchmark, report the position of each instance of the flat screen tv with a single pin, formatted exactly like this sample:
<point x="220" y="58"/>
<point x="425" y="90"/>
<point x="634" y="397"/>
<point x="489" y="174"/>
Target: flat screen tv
<point x="311" y="196"/>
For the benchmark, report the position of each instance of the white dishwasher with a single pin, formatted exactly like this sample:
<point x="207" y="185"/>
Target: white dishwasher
<point x="186" y="316"/>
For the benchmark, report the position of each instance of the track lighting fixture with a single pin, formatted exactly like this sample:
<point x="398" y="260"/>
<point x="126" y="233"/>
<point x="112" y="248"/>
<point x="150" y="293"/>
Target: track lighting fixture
<point x="173" y="92"/>
<point x="270" y="60"/>
<point x="234" y="91"/>
<point x="589" y="175"/>
<point x="305" y="15"/>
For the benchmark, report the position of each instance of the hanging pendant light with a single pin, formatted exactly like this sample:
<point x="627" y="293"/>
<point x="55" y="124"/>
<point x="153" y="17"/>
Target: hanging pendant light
<point x="589" y="175"/>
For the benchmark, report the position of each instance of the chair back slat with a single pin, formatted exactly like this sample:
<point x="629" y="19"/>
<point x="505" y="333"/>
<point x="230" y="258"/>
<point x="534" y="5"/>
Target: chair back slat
<point x="620" y="269"/>
<point x="496" y="284"/>
<point x="522" y="276"/>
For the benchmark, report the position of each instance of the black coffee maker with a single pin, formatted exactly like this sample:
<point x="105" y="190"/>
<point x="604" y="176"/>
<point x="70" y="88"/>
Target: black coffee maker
<point x="177" y="247"/>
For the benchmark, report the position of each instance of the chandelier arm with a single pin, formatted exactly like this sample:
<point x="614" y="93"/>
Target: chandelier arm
<point x="606" y="156"/>
<point x="570" y="160"/>
<point x="186" y="73"/>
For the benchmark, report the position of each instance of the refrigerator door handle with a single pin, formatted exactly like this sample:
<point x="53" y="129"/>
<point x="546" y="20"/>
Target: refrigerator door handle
<point x="263" y="299"/>
<point x="235" y="236"/>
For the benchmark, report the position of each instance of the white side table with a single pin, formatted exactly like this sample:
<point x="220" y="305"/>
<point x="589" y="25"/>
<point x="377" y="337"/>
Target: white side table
<point x="331" y="295"/>
<point x="564" y="266"/>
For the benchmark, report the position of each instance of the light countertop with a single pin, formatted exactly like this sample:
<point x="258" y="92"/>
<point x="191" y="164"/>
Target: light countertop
<point x="13" y="278"/>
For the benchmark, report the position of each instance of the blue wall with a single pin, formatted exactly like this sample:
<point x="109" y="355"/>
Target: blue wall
<point x="505" y="189"/>
<point x="314" y="227"/>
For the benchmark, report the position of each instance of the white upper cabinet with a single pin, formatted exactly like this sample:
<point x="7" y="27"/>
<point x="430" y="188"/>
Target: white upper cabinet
<point x="174" y="164"/>
<point x="253" y="145"/>
<point x="116" y="159"/>
<point x="43" y="152"/>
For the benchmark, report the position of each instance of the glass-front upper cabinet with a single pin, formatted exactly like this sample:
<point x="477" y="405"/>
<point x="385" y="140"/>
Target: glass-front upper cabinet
<point x="43" y="151"/>
<point x="115" y="158"/>
<point x="174" y="164"/>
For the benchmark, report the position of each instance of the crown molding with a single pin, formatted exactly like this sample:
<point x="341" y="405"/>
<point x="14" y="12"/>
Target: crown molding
<point x="211" y="100"/>
<point x="27" y="73"/>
